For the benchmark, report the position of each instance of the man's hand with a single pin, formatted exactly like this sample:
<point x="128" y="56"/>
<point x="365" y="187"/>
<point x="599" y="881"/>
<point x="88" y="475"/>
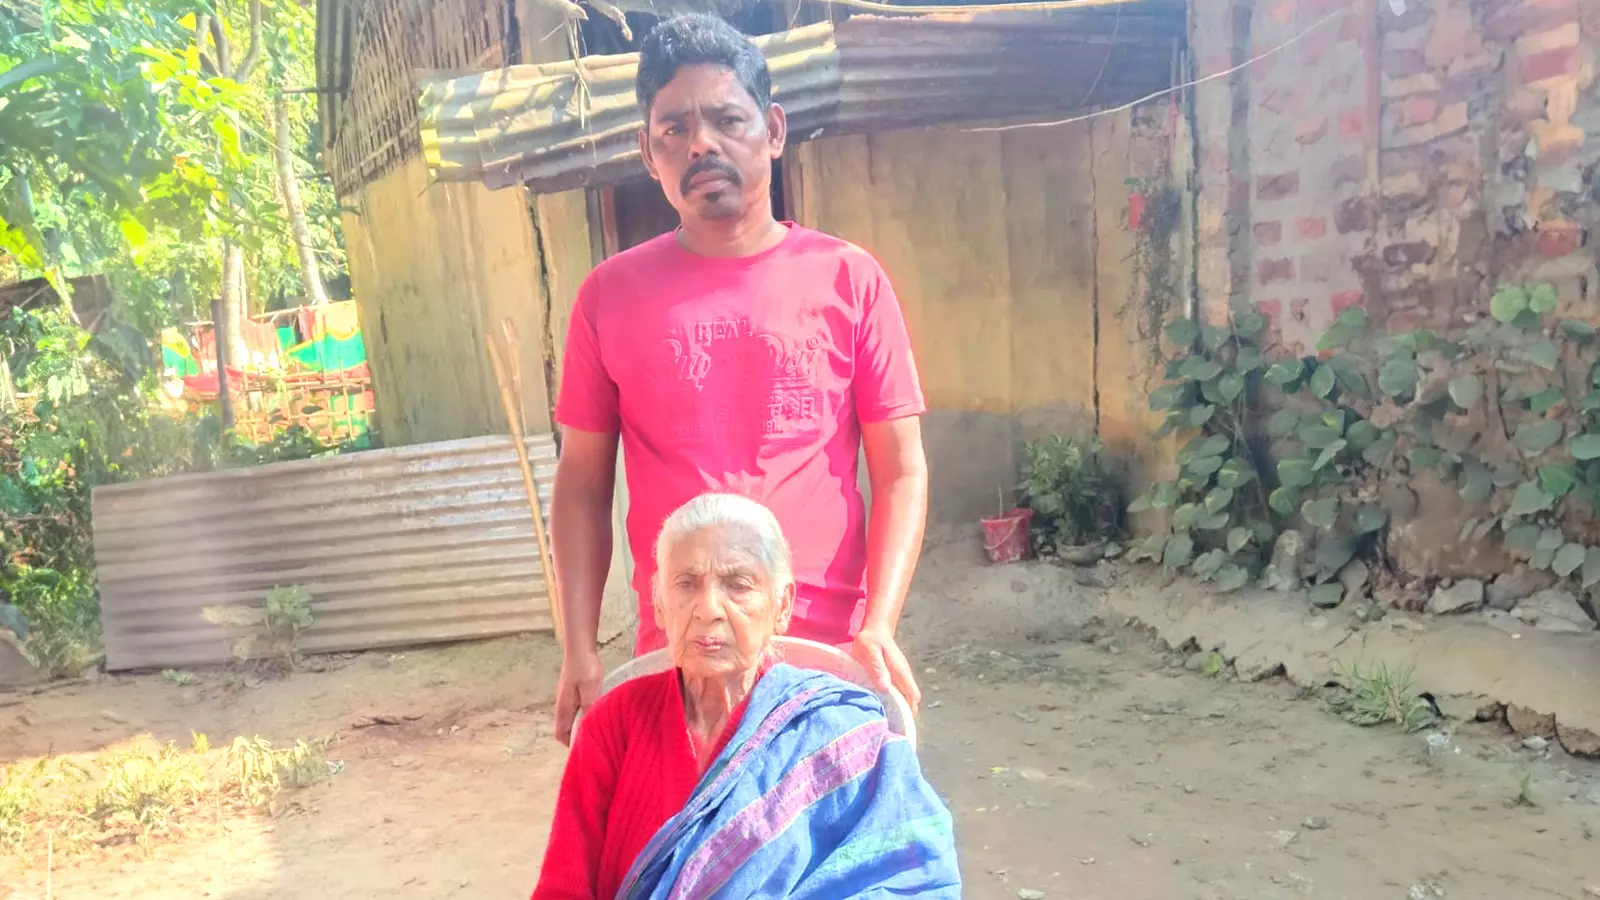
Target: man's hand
<point x="877" y="651"/>
<point x="578" y="689"/>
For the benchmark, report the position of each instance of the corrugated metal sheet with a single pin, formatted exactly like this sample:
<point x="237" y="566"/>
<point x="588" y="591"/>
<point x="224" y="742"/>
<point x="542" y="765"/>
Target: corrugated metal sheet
<point x="550" y="128"/>
<point x="398" y="546"/>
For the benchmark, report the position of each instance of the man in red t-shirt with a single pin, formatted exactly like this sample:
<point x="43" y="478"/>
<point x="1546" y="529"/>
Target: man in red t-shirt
<point x="737" y="353"/>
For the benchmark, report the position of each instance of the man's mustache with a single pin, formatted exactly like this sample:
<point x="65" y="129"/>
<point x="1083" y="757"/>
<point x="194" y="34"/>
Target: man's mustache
<point x="708" y="164"/>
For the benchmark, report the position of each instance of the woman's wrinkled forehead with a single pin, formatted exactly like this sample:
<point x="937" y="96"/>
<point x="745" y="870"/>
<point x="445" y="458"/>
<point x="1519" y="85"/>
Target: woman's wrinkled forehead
<point x="728" y="547"/>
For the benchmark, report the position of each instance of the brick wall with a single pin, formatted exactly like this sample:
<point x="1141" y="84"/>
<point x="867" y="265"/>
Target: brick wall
<point x="1408" y="163"/>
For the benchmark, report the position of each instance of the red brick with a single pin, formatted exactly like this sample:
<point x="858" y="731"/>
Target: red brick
<point x="1310" y="228"/>
<point x="1513" y="20"/>
<point x="1358" y="214"/>
<point x="1405" y="63"/>
<point x="1272" y="309"/>
<point x="1311" y="130"/>
<point x="1559" y="239"/>
<point x="1317" y="47"/>
<point x="1281" y="13"/>
<point x="1268" y="234"/>
<point x="1343" y="300"/>
<point x="1550" y="64"/>
<point x="1324" y="7"/>
<point x="1352" y="28"/>
<point x="1418" y="110"/>
<point x="1273" y="271"/>
<point x="1261" y="69"/>
<point x="1278" y="187"/>
<point x="1353" y="124"/>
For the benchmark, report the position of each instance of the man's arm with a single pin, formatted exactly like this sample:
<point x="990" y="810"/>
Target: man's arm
<point x="898" y="472"/>
<point x="580" y="514"/>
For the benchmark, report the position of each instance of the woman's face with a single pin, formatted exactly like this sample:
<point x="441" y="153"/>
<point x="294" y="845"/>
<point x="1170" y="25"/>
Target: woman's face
<point x="718" y="604"/>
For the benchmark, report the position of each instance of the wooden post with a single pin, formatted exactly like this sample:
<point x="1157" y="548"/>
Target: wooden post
<point x="509" y="380"/>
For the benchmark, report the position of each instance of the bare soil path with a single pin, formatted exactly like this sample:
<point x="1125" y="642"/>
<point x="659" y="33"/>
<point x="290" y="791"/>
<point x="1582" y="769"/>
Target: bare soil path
<point x="1082" y="764"/>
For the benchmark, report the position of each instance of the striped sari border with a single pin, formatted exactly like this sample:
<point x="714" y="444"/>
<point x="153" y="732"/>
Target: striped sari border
<point x="832" y="767"/>
<point x="712" y="784"/>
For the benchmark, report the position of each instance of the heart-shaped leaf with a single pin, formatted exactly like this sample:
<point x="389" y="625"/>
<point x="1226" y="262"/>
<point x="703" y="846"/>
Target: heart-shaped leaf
<point x="1208" y="563"/>
<point x="1568" y="559"/>
<point x="1334" y="553"/>
<point x="1322" y="513"/>
<point x="1164" y="495"/>
<point x="1543" y="353"/>
<point x="1248" y="323"/>
<point x="1234" y="474"/>
<point x="1285" y="372"/>
<point x="1585" y="447"/>
<point x="1230" y="386"/>
<point x="1558" y="480"/>
<point x="1582" y="332"/>
<point x="1507" y="303"/>
<point x="1231" y="577"/>
<point x="1204" y="466"/>
<point x="1370" y="518"/>
<point x="1214" y="522"/>
<point x="1546" y="400"/>
<point x="1140" y="503"/>
<point x="1523" y="537"/>
<point x="1397" y="377"/>
<point x="1295" y="472"/>
<point x="1477" y="482"/>
<point x="1184" y="517"/>
<point x="1328" y="455"/>
<point x="1198" y="368"/>
<point x="1542" y="299"/>
<point x="1200" y="415"/>
<point x="1283" y="501"/>
<point x="1361" y="435"/>
<point x="1529" y="499"/>
<point x="1238" y="539"/>
<point x="1168" y="396"/>
<point x="1182" y="331"/>
<point x="1536" y="437"/>
<point x="1551" y="539"/>
<point x="1322" y="382"/>
<point x="1178" y="552"/>
<point x="1466" y="391"/>
<point x="1424" y="458"/>
<point x="1316" y="435"/>
<point x="1248" y="360"/>
<point x="1283" y="423"/>
<point x="1219" y="499"/>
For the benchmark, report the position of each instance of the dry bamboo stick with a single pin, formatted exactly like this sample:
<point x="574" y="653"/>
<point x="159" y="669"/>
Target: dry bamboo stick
<point x="511" y="399"/>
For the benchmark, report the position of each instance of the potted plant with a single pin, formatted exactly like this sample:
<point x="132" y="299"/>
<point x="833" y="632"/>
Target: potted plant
<point x="1076" y="504"/>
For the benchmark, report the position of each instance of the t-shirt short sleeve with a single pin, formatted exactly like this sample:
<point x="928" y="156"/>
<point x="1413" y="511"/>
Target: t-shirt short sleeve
<point x="587" y="399"/>
<point x="886" y="385"/>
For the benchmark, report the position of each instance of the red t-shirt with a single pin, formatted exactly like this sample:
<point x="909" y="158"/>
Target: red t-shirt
<point x="749" y="375"/>
<point x="632" y="768"/>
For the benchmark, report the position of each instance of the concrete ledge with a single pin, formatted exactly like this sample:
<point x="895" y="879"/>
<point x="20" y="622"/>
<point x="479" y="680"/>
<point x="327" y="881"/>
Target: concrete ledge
<point x="1465" y="657"/>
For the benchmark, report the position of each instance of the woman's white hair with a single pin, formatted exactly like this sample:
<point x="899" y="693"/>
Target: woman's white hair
<point x="734" y="513"/>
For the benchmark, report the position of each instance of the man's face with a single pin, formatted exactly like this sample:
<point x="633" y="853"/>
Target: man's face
<point x="710" y="145"/>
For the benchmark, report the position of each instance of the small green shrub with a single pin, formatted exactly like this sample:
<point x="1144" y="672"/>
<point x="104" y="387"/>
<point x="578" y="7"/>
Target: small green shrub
<point x="1073" y="496"/>
<point x="278" y="624"/>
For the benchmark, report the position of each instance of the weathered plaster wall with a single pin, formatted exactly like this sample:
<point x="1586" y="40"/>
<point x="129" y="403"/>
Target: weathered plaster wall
<point x="1407" y="163"/>
<point x="1009" y="251"/>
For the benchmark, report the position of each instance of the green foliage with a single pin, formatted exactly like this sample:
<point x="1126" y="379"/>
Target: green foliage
<point x="277" y="624"/>
<point x="1073" y="497"/>
<point x="1508" y="410"/>
<point x="1380" y="696"/>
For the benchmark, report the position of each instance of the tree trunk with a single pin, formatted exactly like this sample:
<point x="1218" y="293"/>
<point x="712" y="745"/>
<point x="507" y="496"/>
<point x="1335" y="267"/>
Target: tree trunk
<point x="235" y="308"/>
<point x="290" y="187"/>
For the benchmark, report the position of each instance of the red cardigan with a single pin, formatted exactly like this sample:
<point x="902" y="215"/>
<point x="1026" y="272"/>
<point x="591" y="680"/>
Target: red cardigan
<point x="632" y="767"/>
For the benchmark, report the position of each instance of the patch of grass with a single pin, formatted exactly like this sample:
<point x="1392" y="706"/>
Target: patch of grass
<point x="148" y="790"/>
<point x="276" y="625"/>
<point x="1380" y="695"/>
<point x="180" y="677"/>
<point x="1525" y="795"/>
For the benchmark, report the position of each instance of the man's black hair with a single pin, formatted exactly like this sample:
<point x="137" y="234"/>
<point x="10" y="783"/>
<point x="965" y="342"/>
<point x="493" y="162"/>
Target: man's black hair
<point x="698" y="39"/>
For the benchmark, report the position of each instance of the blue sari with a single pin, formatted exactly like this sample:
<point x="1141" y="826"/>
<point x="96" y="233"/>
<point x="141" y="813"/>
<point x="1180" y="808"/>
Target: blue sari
<point x="812" y="798"/>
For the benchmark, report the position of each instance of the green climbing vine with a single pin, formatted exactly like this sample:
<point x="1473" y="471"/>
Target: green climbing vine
<point x="1506" y="411"/>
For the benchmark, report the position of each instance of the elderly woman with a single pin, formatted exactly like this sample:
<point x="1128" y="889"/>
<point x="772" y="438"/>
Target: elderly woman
<point x="734" y="774"/>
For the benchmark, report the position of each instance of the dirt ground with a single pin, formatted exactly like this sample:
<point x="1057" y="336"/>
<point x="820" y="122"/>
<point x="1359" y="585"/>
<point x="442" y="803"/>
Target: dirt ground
<point x="1080" y="762"/>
